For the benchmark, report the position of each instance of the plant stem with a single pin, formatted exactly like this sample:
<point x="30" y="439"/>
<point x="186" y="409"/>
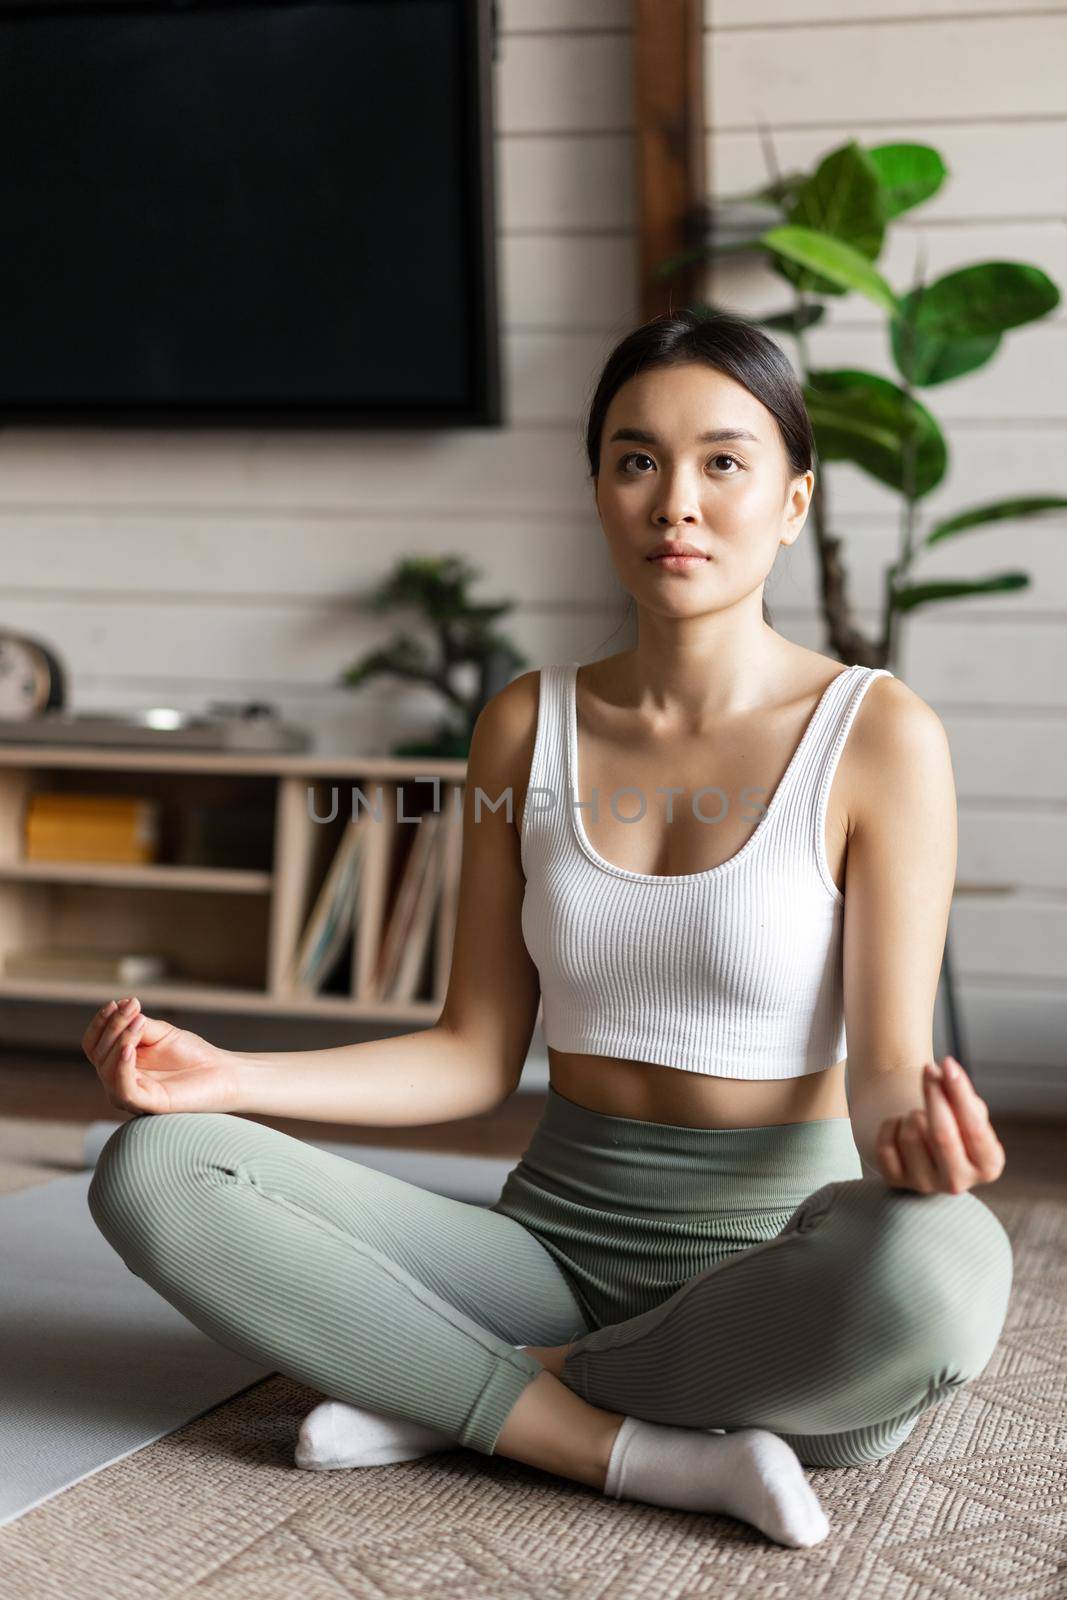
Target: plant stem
<point x="891" y="618"/>
<point x="845" y="639"/>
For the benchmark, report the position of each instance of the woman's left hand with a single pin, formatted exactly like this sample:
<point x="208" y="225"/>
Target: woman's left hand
<point x="948" y="1145"/>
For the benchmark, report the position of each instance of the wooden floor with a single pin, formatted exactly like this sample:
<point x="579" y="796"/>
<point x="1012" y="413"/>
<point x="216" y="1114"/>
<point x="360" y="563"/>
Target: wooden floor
<point x="66" y="1089"/>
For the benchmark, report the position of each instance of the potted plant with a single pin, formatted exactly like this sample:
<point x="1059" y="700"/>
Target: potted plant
<point x="468" y="647"/>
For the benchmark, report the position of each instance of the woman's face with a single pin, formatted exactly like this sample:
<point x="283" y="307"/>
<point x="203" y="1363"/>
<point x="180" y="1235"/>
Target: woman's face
<point x="689" y="456"/>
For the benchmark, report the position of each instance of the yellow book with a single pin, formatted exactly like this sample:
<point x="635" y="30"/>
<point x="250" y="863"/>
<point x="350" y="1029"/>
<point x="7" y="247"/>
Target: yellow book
<point x="119" y="828"/>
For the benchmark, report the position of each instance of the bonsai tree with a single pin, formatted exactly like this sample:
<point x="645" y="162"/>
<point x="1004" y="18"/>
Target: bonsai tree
<point x="823" y="231"/>
<point x="436" y="588"/>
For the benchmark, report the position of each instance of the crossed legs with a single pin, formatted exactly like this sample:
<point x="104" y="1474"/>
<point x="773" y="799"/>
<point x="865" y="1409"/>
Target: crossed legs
<point x="869" y="1306"/>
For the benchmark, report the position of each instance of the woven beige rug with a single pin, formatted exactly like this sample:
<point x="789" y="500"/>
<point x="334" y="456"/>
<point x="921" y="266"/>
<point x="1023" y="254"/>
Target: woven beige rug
<point x="973" y="1505"/>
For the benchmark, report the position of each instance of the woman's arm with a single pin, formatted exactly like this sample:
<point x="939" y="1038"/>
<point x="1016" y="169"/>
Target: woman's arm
<point x="428" y="1076"/>
<point x="901" y="869"/>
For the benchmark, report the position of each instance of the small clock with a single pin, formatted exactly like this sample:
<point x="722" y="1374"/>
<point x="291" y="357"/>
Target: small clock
<point x="31" y="678"/>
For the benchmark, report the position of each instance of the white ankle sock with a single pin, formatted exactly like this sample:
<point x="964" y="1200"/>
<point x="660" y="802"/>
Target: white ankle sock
<point x="336" y="1434"/>
<point x="751" y="1474"/>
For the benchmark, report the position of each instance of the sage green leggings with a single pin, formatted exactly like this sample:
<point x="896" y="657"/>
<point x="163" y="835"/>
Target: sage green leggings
<point x="710" y="1278"/>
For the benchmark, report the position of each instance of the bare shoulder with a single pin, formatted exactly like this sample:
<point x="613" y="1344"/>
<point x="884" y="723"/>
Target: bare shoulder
<point x="897" y="747"/>
<point x="503" y="739"/>
<point x="509" y="717"/>
<point x="517" y="699"/>
<point x="892" y="718"/>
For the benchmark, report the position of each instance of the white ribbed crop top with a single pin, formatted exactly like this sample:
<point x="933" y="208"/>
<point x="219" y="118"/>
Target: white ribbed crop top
<point x="735" y="971"/>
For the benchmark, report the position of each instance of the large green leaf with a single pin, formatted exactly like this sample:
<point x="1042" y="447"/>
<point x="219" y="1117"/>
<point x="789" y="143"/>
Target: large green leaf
<point x="909" y="174"/>
<point x="865" y="419"/>
<point x="1030" y="505"/>
<point x="967" y="309"/>
<point x="840" y="262"/>
<point x="920" y="594"/>
<point x="925" y="359"/>
<point x="842" y="198"/>
<point x="989" y="297"/>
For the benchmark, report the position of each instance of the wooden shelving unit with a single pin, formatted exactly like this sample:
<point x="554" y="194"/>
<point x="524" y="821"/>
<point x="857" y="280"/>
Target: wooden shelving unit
<point x="229" y="930"/>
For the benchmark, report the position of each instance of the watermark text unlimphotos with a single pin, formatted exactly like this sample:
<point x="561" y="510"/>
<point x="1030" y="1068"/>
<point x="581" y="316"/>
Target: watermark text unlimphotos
<point x="539" y="800"/>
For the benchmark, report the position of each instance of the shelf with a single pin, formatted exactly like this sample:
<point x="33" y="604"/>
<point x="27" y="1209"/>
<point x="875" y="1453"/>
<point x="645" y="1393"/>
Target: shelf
<point x="313" y="764"/>
<point x="221" y="880"/>
<point x="229" y="934"/>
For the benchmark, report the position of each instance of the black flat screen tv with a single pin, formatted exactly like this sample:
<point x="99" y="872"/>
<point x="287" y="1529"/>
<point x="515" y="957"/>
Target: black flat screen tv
<point x="248" y="212"/>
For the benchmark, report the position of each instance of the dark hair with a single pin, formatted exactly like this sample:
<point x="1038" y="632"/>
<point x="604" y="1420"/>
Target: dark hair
<point x="721" y="339"/>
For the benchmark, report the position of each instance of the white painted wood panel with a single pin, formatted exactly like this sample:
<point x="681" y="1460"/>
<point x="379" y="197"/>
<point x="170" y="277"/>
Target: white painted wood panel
<point x="585" y="282"/>
<point x="551" y="376"/>
<point x="997" y="754"/>
<point x="1014" y="936"/>
<point x="1021" y="847"/>
<point x="185" y="559"/>
<point x="941" y="70"/>
<point x="563" y="83"/>
<point x="549" y="185"/>
<point x="1016" y="1028"/>
<point x="990" y="662"/>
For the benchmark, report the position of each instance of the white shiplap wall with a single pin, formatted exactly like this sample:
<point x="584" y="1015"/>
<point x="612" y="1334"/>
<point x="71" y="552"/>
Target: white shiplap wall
<point x="175" y="568"/>
<point x="983" y="82"/>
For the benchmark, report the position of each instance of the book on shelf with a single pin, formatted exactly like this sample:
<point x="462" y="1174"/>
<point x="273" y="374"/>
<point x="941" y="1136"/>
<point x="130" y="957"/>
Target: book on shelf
<point x="406" y="864"/>
<point x="422" y="911"/>
<point x="373" y="898"/>
<point x="332" y="921"/>
<point x="392" y="890"/>
<point x="408" y="937"/>
<point x="122" y="829"/>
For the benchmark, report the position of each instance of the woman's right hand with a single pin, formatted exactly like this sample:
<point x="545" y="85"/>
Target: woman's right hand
<point x="151" y="1066"/>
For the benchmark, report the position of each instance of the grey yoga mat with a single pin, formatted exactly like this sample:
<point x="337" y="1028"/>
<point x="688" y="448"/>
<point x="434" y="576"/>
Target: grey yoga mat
<point x="93" y="1363"/>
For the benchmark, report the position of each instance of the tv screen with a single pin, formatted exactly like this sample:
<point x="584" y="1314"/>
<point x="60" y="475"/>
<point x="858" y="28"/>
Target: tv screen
<point x="242" y="212"/>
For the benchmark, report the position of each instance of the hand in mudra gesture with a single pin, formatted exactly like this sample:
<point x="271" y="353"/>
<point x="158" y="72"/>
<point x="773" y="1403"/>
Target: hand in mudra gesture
<point x="151" y="1066"/>
<point x="948" y="1145"/>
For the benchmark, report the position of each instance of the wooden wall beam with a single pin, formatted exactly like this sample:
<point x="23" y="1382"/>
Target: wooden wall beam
<point x="669" y="117"/>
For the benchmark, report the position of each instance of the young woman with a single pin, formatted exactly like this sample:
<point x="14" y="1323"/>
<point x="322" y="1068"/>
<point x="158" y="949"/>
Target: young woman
<point x="710" y="1289"/>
